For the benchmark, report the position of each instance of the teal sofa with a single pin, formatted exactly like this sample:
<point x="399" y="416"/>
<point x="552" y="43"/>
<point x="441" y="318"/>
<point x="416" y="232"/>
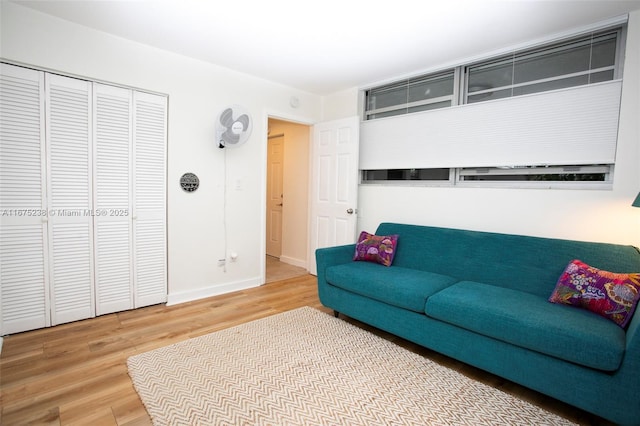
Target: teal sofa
<point x="482" y="298"/>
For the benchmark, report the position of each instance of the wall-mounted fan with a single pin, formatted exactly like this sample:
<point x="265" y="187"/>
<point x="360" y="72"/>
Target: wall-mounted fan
<point x="233" y="127"/>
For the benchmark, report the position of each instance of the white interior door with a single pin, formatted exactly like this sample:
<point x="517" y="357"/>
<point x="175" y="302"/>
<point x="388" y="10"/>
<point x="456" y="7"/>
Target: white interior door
<point x="334" y="189"/>
<point x="275" y="196"/>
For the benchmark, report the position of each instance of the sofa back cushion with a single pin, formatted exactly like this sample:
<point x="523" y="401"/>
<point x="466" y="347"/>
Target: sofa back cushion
<point x="525" y="263"/>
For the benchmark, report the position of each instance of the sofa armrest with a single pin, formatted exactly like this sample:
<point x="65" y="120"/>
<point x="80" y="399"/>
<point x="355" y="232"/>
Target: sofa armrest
<point x="330" y="256"/>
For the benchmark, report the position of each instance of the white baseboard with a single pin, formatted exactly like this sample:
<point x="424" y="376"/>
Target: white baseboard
<point x="1" y="345"/>
<point x="214" y="290"/>
<point x="293" y="261"/>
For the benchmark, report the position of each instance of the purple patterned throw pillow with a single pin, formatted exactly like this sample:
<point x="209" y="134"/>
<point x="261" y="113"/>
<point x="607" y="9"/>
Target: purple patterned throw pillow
<point x="376" y="248"/>
<point x="611" y="295"/>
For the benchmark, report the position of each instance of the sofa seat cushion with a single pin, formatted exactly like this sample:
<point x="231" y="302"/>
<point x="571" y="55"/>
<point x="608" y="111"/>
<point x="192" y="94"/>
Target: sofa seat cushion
<point x="531" y="322"/>
<point x="405" y="288"/>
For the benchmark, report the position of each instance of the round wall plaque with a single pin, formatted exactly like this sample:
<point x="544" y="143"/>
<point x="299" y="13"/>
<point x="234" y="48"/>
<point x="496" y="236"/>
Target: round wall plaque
<point x="189" y="182"/>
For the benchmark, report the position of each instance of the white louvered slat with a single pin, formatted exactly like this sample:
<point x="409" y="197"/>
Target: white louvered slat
<point x="69" y="187"/>
<point x="22" y="273"/>
<point x="113" y="146"/>
<point x="24" y="298"/>
<point x="112" y="198"/>
<point x="113" y="267"/>
<point x="21" y="115"/>
<point x="71" y="272"/>
<point x="149" y="225"/>
<point x="150" y="265"/>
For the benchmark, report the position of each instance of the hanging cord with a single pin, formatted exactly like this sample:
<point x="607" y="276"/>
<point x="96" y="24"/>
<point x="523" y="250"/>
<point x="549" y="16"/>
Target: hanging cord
<point x="224" y="212"/>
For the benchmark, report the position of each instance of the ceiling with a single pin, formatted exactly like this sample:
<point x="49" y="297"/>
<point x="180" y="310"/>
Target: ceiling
<point x="331" y="45"/>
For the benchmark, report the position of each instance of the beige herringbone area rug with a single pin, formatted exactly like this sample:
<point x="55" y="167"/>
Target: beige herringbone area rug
<point x="305" y="367"/>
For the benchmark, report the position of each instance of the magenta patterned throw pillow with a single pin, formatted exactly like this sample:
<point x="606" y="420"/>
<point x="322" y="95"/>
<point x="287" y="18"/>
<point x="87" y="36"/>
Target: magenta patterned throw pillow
<point x="376" y="248"/>
<point x="611" y="295"/>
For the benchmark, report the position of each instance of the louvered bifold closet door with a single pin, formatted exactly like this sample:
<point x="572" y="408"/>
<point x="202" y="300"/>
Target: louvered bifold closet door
<point x="24" y="298"/>
<point x="149" y="208"/>
<point x="68" y="124"/>
<point x="112" y="198"/>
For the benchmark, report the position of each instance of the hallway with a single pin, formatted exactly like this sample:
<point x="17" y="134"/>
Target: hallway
<point x="277" y="270"/>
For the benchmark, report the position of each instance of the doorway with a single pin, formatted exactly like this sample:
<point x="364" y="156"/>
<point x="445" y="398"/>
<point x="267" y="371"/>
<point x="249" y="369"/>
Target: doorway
<point x="287" y="199"/>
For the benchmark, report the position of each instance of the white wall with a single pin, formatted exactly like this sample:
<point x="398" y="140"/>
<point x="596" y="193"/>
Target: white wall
<point x="589" y="215"/>
<point x="197" y="92"/>
<point x="341" y="105"/>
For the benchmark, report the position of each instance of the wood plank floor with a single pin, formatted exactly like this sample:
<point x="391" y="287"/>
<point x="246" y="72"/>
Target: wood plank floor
<point x="277" y="270"/>
<point x="76" y="374"/>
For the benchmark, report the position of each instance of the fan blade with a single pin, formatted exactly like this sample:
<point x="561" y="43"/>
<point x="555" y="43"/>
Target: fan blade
<point x="226" y="118"/>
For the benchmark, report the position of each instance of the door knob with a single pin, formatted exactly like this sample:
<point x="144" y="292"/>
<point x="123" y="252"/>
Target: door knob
<point x="349" y="211"/>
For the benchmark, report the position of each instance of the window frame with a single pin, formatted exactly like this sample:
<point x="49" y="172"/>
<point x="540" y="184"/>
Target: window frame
<point x="460" y="71"/>
<point x="456" y="177"/>
<point x="450" y="181"/>
<point x="406" y="106"/>
<point x="606" y="169"/>
<point x="540" y="51"/>
<point x="569" y="42"/>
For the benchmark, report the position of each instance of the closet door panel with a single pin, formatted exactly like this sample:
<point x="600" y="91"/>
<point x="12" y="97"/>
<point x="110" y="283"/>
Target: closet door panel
<point x="82" y="199"/>
<point x="24" y="292"/>
<point x="149" y="208"/>
<point x="112" y="198"/>
<point x="69" y="156"/>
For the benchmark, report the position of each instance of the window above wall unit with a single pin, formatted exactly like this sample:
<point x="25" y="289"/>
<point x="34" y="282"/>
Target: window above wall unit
<point x="421" y="93"/>
<point x="577" y="62"/>
<point x="574" y="61"/>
